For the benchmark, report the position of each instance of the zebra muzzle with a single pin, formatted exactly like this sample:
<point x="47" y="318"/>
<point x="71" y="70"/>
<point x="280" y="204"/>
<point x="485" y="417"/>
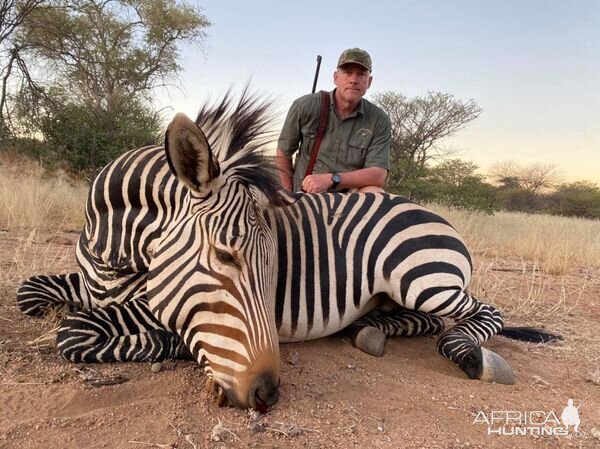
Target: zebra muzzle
<point x="263" y="394"/>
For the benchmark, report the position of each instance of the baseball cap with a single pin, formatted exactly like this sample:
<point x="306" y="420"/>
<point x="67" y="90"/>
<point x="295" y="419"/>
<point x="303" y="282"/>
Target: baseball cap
<point x="355" y="56"/>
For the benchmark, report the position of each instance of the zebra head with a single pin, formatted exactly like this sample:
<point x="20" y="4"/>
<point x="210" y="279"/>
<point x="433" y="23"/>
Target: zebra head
<point x="212" y="276"/>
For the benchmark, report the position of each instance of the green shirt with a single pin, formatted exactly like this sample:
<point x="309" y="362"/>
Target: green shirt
<point x="361" y="140"/>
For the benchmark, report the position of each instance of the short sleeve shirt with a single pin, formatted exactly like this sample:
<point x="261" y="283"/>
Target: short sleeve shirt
<point x="361" y="140"/>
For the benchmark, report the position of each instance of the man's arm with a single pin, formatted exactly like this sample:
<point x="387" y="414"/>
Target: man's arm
<point x="371" y="176"/>
<point x="286" y="170"/>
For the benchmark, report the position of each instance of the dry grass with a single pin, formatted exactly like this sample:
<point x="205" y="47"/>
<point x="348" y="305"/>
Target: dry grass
<point x="31" y="198"/>
<point x="540" y="251"/>
<point x="525" y="261"/>
<point x="553" y="244"/>
<point x="31" y="254"/>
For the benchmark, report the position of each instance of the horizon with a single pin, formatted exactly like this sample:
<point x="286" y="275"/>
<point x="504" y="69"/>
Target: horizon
<point x="532" y="68"/>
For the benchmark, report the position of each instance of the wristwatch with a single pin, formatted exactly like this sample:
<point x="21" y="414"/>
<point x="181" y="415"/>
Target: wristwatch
<point x="335" y="180"/>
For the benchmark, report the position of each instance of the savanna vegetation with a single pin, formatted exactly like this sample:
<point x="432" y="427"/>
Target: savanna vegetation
<point x="78" y="75"/>
<point x="77" y="84"/>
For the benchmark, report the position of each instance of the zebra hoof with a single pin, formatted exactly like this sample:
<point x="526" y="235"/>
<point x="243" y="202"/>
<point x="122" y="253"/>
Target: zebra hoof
<point x="370" y="340"/>
<point x="496" y="369"/>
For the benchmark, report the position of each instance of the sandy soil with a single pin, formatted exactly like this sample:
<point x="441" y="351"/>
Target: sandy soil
<point x="332" y="395"/>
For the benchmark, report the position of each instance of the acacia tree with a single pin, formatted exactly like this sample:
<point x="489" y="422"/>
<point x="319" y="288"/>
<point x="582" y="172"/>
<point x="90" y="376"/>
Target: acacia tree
<point x="105" y="58"/>
<point x="532" y="178"/>
<point x="13" y="13"/>
<point x="456" y="183"/>
<point x="419" y="126"/>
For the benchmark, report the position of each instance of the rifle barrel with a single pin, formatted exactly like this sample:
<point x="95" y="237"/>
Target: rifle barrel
<point x="314" y="87"/>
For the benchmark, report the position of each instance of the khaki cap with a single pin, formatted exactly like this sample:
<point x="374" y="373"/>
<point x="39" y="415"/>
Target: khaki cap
<point x="356" y="56"/>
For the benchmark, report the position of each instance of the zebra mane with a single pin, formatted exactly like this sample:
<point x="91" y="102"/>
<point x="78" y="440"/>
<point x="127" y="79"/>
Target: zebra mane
<point x="237" y="132"/>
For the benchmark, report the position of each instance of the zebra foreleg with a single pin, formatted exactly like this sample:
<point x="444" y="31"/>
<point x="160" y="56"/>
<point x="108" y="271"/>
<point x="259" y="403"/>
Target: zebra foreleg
<point x="370" y="332"/>
<point x="476" y="323"/>
<point x="38" y="294"/>
<point x="118" y="333"/>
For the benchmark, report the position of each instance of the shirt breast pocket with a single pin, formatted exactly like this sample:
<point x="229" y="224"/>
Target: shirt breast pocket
<point x="308" y="141"/>
<point x="357" y="147"/>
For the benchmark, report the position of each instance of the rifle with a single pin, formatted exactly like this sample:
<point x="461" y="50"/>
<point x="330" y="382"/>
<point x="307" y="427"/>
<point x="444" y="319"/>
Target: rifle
<point x="314" y="88"/>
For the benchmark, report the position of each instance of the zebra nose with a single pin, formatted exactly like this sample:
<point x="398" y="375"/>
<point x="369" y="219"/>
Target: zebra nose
<point x="264" y="393"/>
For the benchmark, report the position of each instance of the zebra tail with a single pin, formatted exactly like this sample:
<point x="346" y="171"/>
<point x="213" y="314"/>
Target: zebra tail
<point x="529" y="334"/>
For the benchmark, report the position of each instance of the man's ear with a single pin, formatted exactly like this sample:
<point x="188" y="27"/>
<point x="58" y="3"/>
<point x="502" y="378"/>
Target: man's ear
<point x="189" y="155"/>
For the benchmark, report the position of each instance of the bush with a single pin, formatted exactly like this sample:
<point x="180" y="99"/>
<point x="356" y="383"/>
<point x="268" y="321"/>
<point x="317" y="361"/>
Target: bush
<point x="87" y="140"/>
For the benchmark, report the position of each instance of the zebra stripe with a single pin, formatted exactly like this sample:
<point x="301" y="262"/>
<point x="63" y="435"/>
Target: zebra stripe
<point x="368" y="244"/>
<point x="190" y="251"/>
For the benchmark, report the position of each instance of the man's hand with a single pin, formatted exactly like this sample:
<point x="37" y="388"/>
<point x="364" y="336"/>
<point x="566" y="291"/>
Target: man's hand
<point x="317" y="183"/>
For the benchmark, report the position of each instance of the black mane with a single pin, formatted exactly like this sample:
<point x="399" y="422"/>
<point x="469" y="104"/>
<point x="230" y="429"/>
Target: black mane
<point x="238" y="133"/>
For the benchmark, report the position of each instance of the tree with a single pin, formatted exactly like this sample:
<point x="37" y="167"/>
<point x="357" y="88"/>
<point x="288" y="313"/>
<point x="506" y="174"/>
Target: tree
<point x="534" y="178"/>
<point x="105" y="58"/>
<point x="456" y="183"/>
<point x="581" y="199"/>
<point x="419" y="126"/>
<point x="110" y="51"/>
<point x="78" y="136"/>
<point x="13" y="13"/>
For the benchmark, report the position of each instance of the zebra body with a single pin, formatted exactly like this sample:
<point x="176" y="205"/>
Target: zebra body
<point x="191" y="251"/>
<point x="340" y="254"/>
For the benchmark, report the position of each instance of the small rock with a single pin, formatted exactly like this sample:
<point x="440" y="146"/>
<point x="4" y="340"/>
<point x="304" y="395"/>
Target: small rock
<point x="156" y="367"/>
<point x="595" y="432"/>
<point x="293" y="358"/>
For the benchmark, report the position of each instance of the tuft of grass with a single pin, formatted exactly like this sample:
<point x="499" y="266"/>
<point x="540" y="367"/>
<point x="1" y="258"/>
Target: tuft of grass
<point x="536" y="267"/>
<point x="555" y="245"/>
<point x="530" y="293"/>
<point x="31" y="198"/>
<point x="30" y="255"/>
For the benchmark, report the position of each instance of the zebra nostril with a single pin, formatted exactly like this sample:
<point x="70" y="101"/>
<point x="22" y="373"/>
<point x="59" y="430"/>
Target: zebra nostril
<point x="263" y="394"/>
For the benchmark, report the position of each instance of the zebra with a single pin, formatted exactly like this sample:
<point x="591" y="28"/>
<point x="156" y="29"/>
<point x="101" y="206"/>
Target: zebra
<point x="193" y="251"/>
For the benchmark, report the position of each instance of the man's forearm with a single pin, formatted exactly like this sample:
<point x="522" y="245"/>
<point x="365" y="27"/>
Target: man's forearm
<point x="354" y="180"/>
<point x="371" y="176"/>
<point x="286" y="170"/>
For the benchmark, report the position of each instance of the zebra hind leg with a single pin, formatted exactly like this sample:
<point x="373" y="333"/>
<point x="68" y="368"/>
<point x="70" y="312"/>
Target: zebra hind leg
<point x="475" y="324"/>
<point x="125" y="332"/>
<point x="370" y="332"/>
<point x="39" y="294"/>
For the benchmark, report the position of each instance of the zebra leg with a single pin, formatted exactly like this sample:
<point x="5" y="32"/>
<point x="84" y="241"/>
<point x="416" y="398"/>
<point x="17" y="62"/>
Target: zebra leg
<point x="475" y="324"/>
<point x="125" y="332"/>
<point x="39" y="294"/>
<point x="370" y="332"/>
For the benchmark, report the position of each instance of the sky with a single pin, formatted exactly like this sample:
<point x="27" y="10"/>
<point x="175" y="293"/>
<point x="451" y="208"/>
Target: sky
<point x="532" y="66"/>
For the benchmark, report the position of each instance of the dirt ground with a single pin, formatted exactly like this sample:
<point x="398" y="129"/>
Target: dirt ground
<point x="332" y="395"/>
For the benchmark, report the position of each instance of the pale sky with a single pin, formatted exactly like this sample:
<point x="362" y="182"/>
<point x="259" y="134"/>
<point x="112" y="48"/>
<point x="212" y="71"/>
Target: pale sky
<point x="532" y="66"/>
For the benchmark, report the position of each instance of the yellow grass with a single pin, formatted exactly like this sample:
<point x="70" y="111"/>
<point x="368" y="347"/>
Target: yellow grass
<point x="531" y="266"/>
<point x="548" y="257"/>
<point x="32" y="199"/>
<point x="552" y="244"/>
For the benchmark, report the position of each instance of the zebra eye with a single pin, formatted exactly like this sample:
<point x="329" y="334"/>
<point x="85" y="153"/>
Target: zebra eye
<point x="227" y="258"/>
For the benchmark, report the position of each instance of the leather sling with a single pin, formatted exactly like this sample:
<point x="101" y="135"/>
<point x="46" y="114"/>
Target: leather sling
<point x="320" y="131"/>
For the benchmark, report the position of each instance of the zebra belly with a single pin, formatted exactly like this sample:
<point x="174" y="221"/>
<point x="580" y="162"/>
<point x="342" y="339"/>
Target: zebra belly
<point x="305" y="329"/>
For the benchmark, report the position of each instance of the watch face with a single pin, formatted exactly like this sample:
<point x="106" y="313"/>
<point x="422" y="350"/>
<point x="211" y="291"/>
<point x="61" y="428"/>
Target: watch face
<point x="336" y="178"/>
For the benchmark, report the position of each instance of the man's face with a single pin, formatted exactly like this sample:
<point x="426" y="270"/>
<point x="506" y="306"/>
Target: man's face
<point x="352" y="82"/>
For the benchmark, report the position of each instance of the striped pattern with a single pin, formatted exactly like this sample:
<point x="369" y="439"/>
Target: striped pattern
<point x="130" y="204"/>
<point x="190" y="251"/>
<point x="338" y="252"/>
<point x="41" y="293"/>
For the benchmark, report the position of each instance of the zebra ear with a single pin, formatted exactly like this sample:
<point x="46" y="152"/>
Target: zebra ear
<point x="189" y="155"/>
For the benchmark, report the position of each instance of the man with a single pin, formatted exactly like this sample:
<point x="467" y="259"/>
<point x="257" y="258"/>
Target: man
<point x="354" y="153"/>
